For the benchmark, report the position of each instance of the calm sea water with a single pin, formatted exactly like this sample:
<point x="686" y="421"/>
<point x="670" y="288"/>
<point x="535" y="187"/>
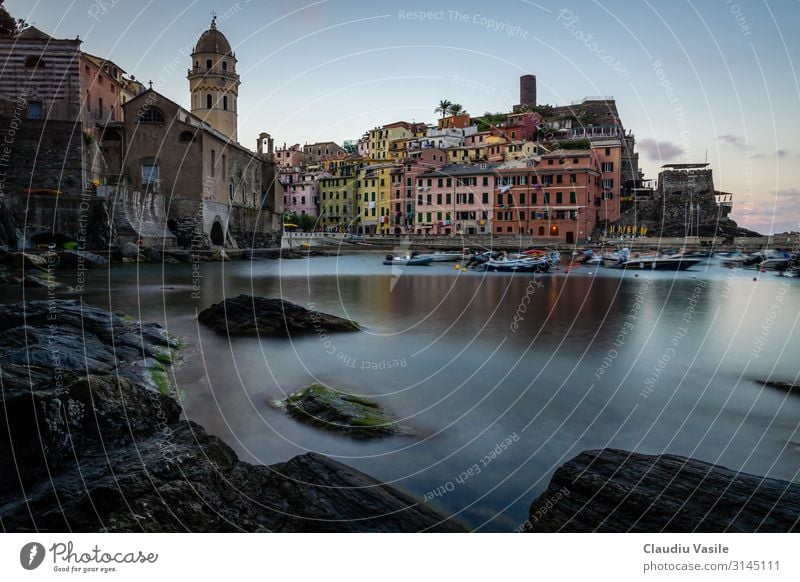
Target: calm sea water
<point x="560" y="363"/>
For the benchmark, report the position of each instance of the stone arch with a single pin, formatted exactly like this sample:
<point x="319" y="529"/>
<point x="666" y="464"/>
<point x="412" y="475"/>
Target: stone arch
<point x="554" y="230"/>
<point x="217" y="232"/>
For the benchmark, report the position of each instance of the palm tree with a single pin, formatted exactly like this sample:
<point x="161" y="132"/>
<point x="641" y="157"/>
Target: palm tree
<point x="443" y="108"/>
<point x="456" y="109"/>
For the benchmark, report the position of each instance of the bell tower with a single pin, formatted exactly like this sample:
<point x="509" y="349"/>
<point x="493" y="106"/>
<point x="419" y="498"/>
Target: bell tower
<point x="213" y="82"/>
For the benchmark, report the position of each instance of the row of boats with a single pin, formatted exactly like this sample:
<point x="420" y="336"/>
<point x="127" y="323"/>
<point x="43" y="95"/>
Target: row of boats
<point x="539" y="260"/>
<point x="530" y="261"/>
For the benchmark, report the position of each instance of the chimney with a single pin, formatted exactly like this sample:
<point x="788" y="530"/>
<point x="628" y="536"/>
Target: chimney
<point x="527" y="91"/>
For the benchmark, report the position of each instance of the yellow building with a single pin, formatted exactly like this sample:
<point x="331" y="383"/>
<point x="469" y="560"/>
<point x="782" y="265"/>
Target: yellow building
<point x="373" y="194"/>
<point x="381" y="139"/>
<point x="338" y="202"/>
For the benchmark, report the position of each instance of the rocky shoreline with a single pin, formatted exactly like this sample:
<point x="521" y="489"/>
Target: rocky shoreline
<point x="612" y="490"/>
<point x="88" y="443"/>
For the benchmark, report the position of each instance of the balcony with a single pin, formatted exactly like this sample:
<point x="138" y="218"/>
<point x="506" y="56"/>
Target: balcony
<point x="202" y="72"/>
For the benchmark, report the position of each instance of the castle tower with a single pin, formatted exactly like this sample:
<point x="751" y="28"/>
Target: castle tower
<point x="213" y="82"/>
<point x="527" y="91"/>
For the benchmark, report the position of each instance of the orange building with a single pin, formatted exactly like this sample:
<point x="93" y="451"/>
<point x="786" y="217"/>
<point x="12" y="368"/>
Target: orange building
<point x="558" y="198"/>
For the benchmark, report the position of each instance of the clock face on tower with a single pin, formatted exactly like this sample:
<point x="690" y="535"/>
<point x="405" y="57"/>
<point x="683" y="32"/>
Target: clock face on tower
<point x="214" y="83"/>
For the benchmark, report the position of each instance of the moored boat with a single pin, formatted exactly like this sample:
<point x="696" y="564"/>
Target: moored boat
<point x="655" y="262"/>
<point x="408" y="260"/>
<point x="446" y="256"/>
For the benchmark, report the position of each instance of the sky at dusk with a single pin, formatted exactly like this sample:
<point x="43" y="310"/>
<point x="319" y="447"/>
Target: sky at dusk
<point x="693" y="80"/>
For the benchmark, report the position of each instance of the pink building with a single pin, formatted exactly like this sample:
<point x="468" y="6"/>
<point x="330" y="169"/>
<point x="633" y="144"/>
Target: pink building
<point x="289" y="157"/>
<point x="455" y="200"/>
<point x="403" y="200"/>
<point x="300" y="191"/>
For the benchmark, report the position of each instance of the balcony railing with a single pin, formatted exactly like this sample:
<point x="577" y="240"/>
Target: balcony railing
<point x="216" y="72"/>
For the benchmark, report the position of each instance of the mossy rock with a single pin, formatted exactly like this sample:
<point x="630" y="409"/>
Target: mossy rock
<point x="337" y="411"/>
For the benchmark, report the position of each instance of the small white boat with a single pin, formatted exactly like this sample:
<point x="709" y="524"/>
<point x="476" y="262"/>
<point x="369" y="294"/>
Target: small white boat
<point x="408" y="260"/>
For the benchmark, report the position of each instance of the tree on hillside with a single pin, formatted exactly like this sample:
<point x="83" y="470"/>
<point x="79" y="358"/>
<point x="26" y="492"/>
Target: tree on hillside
<point x="443" y="107"/>
<point x="9" y="25"/>
<point x="489" y="120"/>
<point x="456" y="109"/>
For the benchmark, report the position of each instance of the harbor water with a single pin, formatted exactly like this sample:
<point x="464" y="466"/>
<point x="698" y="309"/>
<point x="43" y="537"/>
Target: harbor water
<point x="503" y="376"/>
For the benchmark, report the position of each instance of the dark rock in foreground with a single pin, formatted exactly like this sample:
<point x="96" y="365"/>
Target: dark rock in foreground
<point x="85" y="446"/>
<point x="116" y="457"/>
<point x="247" y="315"/>
<point x="620" y="491"/>
<point x="340" y="412"/>
<point x="40" y="338"/>
<point x="779" y="385"/>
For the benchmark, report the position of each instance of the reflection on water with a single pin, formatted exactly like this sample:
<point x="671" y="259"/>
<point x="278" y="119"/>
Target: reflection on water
<point x="564" y="362"/>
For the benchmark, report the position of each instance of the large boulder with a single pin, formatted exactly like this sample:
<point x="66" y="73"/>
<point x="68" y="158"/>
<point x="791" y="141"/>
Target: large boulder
<point x="76" y="339"/>
<point x="129" y="250"/>
<point x="247" y="315"/>
<point x="619" y="491"/>
<point x="340" y="412"/>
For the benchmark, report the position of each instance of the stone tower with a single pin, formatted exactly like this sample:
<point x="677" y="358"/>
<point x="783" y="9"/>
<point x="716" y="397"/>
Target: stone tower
<point x="213" y="82"/>
<point x="527" y="91"/>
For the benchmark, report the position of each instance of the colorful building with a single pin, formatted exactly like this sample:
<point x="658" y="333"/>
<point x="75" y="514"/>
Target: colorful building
<point x="404" y="186"/>
<point x="373" y="194"/>
<point x="290" y="157"/>
<point x="300" y="190"/>
<point x="455" y="200"/>
<point x="381" y="138"/>
<point x="558" y="198"/>
<point x="337" y="196"/>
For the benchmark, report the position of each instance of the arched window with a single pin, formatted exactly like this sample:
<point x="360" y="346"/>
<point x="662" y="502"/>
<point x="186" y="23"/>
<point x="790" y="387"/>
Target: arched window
<point x="186" y="136"/>
<point x="208" y="101"/>
<point x="196" y="64"/>
<point x="225" y="102"/>
<point x="149" y="115"/>
<point x="224" y="65"/>
<point x="208" y="64"/>
<point x="541" y="231"/>
<point x="34" y="63"/>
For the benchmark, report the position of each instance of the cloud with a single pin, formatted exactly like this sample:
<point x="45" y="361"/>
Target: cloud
<point x="776" y="212"/>
<point x="663" y="151"/>
<point x="738" y="142"/>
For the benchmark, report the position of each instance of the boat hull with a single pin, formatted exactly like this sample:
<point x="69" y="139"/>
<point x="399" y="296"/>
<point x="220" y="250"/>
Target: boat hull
<point x="414" y="262"/>
<point x="517" y="266"/>
<point x="660" y="264"/>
